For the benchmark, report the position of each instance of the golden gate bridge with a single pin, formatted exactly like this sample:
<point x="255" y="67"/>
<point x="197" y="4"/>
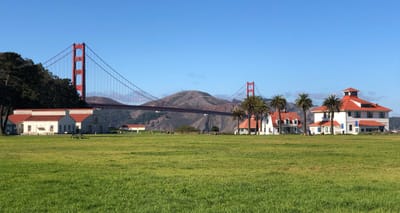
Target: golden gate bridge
<point x="92" y="76"/>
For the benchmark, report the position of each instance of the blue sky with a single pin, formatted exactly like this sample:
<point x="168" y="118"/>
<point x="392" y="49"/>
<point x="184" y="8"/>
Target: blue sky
<point x="165" y="46"/>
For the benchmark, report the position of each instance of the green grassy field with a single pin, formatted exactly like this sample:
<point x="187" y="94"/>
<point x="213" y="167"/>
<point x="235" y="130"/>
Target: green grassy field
<point x="200" y="173"/>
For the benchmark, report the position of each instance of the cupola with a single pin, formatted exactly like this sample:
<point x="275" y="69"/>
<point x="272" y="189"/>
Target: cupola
<point x="351" y="92"/>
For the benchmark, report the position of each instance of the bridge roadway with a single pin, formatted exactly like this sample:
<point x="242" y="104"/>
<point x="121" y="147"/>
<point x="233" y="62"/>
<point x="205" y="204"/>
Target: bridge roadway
<point x="158" y="108"/>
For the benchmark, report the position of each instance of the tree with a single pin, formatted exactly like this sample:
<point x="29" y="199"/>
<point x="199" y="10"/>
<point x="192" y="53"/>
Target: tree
<point x="16" y="75"/>
<point x="279" y="103"/>
<point x="305" y="103"/>
<point x="333" y="104"/>
<point x="238" y="114"/>
<point x="254" y="106"/>
<point x="24" y="84"/>
<point x="214" y="129"/>
<point x="261" y="108"/>
<point x="248" y="105"/>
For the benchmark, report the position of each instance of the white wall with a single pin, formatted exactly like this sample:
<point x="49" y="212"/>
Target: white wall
<point x="49" y="127"/>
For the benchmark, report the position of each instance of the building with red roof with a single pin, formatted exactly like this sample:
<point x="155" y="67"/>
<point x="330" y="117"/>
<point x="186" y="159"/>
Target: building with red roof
<point x="133" y="127"/>
<point x="244" y="126"/>
<point x="356" y="116"/>
<point x="290" y="123"/>
<point x="269" y="125"/>
<point x="54" y="121"/>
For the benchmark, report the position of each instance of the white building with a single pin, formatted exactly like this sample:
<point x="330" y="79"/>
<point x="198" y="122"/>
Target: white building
<point x="356" y="116"/>
<point x="133" y="127"/>
<point x="290" y="123"/>
<point x="244" y="127"/>
<point x="54" y="121"/>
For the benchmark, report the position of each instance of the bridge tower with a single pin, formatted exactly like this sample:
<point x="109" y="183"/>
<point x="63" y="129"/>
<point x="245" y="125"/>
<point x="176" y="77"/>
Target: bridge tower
<point x="250" y="89"/>
<point x="79" y="69"/>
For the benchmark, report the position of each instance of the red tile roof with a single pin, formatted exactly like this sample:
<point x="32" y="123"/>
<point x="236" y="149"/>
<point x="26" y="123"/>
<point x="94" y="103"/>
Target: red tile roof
<point x="18" y="118"/>
<point x="350" y="89"/>
<point x="135" y="125"/>
<point x="354" y="103"/>
<point x="284" y="116"/>
<point x="370" y="123"/>
<point x="324" y="123"/>
<point x="79" y="117"/>
<point x="45" y="118"/>
<point x="245" y="123"/>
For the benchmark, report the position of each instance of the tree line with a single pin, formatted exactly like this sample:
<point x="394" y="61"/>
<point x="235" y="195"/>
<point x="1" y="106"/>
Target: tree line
<point x="257" y="107"/>
<point x="24" y="84"/>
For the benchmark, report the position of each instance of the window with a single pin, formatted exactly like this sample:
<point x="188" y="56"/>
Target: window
<point x="357" y="114"/>
<point x="370" y="115"/>
<point x="382" y="114"/>
<point x="287" y="121"/>
<point x="349" y="114"/>
<point x="51" y="128"/>
<point x="350" y="127"/>
<point x="29" y="128"/>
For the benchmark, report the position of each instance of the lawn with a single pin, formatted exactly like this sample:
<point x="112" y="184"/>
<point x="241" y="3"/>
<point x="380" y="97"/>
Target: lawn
<point x="200" y="173"/>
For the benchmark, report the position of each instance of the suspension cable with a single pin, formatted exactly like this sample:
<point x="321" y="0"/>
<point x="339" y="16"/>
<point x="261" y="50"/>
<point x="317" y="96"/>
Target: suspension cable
<point x="52" y="58"/>
<point x="117" y="79"/>
<point x="148" y="95"/>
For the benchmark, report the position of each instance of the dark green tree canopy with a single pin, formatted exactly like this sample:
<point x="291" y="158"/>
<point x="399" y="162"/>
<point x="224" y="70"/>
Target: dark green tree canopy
<point x="24" y="84"/>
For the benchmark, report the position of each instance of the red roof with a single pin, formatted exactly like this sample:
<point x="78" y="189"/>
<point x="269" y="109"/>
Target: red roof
<point x="18" y="118"/>
<point x="350" y="89"/>
<point x="354" y="103"/>
<point x="245" y="123"/>
<point x="54" y="109"/>
<point x="45" y="118"/>
<point x="134" y="125"/>
<point x="285" y="116"/>
<point x="370" y="123"/>
<point x="324" y="123"/>
<point x="79" y="117"/>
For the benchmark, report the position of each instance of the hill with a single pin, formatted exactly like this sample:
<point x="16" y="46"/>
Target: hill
<point x="168" y="121"/>
<point x="101" y="100"/>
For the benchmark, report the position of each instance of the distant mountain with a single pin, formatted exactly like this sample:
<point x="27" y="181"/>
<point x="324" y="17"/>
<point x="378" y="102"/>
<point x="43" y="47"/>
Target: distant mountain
<point x="101" y="100"/>
<point x="394" y="123"/>
<point x="169" y="121"/>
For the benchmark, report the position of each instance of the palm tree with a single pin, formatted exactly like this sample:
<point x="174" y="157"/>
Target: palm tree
<point x="333" y="104"/>
<point x="305" y="103"/>
<point x="249" y="105"/>
<point x="260" y="110"/>
<point x="238" y="114"/>
<point x="279" y="103"/>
